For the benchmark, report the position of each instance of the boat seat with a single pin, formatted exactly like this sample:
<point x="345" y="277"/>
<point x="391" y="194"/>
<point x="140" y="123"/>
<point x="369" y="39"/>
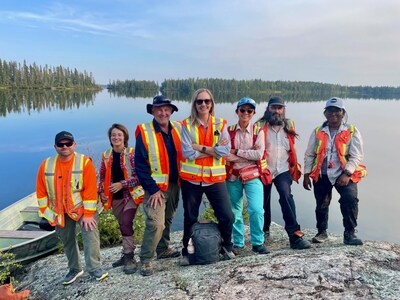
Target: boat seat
<point x="29" y="209"/>
<point x="21" y="234"/>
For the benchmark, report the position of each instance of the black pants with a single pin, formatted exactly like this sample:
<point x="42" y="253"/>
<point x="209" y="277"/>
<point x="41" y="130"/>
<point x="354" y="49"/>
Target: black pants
<point x="217" y="194"/>
<point x="348" y="203"/>
<point x="283" y="183"/>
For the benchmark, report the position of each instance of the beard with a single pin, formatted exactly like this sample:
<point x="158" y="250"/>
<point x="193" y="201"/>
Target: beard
<point x="274" y="118"/>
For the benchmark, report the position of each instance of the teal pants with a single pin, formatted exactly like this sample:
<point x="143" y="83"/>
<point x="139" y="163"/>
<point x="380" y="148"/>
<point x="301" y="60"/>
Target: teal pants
<point x="254" y="195"/>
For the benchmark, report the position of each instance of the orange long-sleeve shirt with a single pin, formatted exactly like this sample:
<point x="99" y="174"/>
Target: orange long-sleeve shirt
<point x="89" y="190"/>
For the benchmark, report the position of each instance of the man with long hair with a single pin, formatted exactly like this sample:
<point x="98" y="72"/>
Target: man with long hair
<point x="282" y="162"/>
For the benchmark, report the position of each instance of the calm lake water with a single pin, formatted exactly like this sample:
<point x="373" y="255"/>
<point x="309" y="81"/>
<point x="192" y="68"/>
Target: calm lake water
<point x="27" y="137"/>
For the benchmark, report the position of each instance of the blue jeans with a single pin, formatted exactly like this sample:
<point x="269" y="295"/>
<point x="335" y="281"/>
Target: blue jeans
<point x="253" y="190"/>
<point x="348" y="203"/>
<point x="283" y="184"/>
<point x="217" y="195"/>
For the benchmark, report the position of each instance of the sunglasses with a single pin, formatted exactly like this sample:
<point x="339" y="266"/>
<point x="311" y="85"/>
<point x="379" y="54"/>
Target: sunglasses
<point x="333" y="110"/>
<point x="61" y="145"/>
<point x="249" y="111"/>
<point x="200" y="101"/>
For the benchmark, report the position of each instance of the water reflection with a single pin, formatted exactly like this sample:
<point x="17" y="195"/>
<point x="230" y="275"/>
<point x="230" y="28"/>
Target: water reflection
<point x="26" y="101"/>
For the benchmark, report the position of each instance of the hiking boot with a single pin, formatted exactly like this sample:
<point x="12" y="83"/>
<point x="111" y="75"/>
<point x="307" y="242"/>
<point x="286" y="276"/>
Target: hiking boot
<point x="297" y="242"/>
<point x="227" y="255"/>
<point x="72" y="276"/>
<point x="130" y="265"/>
<point x="267" y="236"/>
<point x="168" y="253"/>
<point x="146" y="269"/>
<point x="119" y="262"/>
<point x="184" y="261"/>
<point x="349" y="238"/>
<point x="98" y="274"/>
<point x="320" y="237"/>
<point x="237" y="250"/>
<point x="260" y="249"/>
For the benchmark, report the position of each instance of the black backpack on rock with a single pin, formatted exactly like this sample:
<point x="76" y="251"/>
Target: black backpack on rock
<point x="205" y="243"/>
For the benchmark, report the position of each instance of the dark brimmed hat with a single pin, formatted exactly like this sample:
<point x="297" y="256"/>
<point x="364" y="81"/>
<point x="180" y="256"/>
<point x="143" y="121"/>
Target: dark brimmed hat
<point x="64" y="135"/>
<point x="275" y="100"/>
<point x="161" y="101"/>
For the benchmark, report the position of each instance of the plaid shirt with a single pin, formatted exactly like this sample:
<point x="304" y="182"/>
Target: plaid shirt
<point x="126" y="184"/>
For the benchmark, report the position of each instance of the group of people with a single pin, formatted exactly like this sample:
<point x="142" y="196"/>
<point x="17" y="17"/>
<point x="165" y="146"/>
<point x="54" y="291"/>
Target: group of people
<point x="200" y="155"/>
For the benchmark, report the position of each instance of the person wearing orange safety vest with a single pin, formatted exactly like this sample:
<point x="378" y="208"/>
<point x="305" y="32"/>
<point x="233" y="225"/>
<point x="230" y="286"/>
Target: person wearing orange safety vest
<point x="157" y="157"/>
<point x="333" y="159"/>
<point x="66" y="190"/>
<point x="120" y="189"/>
<point x="280" y="136"/>
<point x="205" y="143"/>
<point x="247" y="153"/>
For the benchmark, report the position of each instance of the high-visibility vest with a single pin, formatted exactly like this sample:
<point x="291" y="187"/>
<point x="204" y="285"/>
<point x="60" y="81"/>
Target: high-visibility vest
<point x="341" y="142"/>
<point x="262" y="163"/>
<point x="53" y="203"/>
<point x="208" y="169"/>
<point x="137" y="192"/>
<point x="294" y="166"/>
<point x="158" y="155"/>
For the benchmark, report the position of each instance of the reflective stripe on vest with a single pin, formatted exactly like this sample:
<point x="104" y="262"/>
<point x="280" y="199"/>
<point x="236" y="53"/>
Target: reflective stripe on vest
<point x="150" y="140"/>
<point x="76" y="184"/>
<point x="137" y="192"/>
<point x="192" y="171"/>
<point x="262" y="163"/>
<point x="294" y="166"/>
<point x="341" y="141"/>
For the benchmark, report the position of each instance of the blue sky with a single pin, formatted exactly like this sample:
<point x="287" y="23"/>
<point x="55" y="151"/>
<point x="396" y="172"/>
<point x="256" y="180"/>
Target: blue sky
<point x="343" y="41"/>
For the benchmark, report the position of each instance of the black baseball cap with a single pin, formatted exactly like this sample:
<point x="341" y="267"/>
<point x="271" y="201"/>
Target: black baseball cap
<point x="64" y="135"/>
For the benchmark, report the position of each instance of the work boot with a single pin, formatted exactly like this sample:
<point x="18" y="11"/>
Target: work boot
<point x="349" y="238"/>
<point x="260" y="249"/>
<point x="119" y="262"/>
<point x="130" y="265"/>
<point x="146" y="269"/>
<point x="320" y="237"/>
<point x="297" y="242"/>
<point x="168" y="253"/>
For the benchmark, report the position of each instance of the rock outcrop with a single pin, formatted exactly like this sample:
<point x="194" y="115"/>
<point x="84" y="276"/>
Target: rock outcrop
<point x="326" y="271"/>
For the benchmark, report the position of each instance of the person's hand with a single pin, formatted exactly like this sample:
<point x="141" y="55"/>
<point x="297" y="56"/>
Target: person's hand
<point x="343" y="180"/>
<point x="223" y="142"/>
<point x="103" y="197"/>
<point x="156" y="198"/>
<point x="255" y="147"/>
<point x="196" y="147"/>
<point x="307" y="182"/>
<point x="115" y="187"/>
<point x="88" y="223"/>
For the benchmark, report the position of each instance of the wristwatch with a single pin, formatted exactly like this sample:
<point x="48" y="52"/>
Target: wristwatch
<point x="236" y="151"/>
<point x="347" y="172"/>
<point x="203" y="150"/>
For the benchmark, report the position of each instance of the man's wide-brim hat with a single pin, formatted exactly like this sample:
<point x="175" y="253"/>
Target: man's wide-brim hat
<point x="161" y="101"/>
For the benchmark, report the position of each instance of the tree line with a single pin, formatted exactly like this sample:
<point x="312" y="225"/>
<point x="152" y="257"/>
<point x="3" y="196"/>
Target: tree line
<point x="228" y="90"/>
<point x="15" y="75"/>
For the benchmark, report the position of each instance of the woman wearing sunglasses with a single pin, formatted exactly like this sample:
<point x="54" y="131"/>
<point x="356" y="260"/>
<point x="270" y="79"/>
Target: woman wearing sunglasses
<point x="205" y="143"/>
<point x="120" y="190"/>
<point x="246" y="165"/>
